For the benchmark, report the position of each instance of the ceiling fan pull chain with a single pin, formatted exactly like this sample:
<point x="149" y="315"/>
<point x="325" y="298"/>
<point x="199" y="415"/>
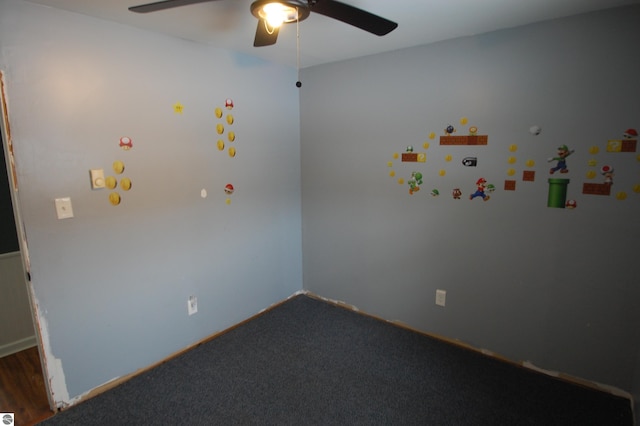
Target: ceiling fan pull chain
<point x="298" y="82"/>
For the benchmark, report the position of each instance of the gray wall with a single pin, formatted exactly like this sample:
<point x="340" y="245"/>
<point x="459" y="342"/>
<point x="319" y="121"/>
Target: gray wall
<point x="111" y="284"/>
<point x="552" y="286"/>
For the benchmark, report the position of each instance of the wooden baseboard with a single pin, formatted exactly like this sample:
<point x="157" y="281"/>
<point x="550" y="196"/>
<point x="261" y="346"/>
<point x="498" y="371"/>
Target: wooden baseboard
<point x="523" y="364"/>
<point x="118" y="381"/>
<point x="17" y="346"/>
<point x="574" y="380"/>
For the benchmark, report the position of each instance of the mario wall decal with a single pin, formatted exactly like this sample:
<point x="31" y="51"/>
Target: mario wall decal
<point x="481" y="186"/>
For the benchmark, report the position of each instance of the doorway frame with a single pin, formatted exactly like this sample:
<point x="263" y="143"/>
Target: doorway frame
<point x="7" y="142"/>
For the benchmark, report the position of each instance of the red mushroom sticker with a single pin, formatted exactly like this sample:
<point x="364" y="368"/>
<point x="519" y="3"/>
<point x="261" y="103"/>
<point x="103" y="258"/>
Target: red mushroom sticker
<point x="126" y="143"/>
<point x="228" y="103"/>
<point x="228" y="189"/>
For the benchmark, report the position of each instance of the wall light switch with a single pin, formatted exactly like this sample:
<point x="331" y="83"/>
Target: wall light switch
<point x="97" y="178"/>
<point x="64" y="208"/>
<point x="441" y="297"/>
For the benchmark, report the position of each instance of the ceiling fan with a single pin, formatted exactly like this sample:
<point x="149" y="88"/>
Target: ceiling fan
<point x="272" y="13"/>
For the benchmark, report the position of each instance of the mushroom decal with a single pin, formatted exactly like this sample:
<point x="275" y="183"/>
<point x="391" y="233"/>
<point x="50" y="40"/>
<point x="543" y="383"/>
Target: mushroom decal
<point x="126" y="143"/>
<point x="607" y="172"/>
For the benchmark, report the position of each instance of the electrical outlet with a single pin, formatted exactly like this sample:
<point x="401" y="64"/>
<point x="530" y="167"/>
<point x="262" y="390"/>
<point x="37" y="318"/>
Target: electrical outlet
<point x="64" y="208"/>
<point x="441" y="297"/>
<point x="192" y="305"/>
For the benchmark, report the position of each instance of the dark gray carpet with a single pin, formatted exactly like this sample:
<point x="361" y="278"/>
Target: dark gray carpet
<point x="309" y="362"/>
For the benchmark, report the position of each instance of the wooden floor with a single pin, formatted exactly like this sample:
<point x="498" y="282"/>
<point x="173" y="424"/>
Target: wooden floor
<point x="22" y="389"/>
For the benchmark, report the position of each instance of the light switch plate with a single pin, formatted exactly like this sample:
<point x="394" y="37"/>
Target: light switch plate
<point x="97" y="178"/>
<point x="192" y="305"/>
<point x="64" y="209"/>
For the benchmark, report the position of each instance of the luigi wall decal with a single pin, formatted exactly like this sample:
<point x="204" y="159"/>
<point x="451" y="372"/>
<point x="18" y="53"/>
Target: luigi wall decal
<point x="561" y="158"/>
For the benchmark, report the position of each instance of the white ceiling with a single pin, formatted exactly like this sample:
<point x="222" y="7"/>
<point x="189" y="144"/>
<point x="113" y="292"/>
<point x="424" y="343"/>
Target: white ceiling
<point x="229" y="24"/>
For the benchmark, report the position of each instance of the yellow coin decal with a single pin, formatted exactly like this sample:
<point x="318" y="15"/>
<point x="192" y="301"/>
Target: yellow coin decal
<point x="220" y="128"/>
<point x="231" y="136"/>
<point x="425" y="145"/>
<point x="621" y="195"/>
<point x="118" y="167"/>
<point x="511" y="172"/>
<point x="594" y="150"/>
<point x="442" y="172"/>
<point x="392" y="173"/>
<point x="530" y="163"/>
<point x="232" y="152"/>
<point x="432" y="135"/>
<point x="220" y="144"/>
<point x="219" y="112"/>
<point x="114" y="198"/>
<point x="125" y="184"/>
<point x="396" y="155"/>
<point x="448" y="158"/>
<point x="513" y="147"/>
<point x="229" y="118"/>
<point x="511" y="160"/>
<point x="110" y="182"/>
<point x="591" y="174"/>
<point x="463" y="120"/>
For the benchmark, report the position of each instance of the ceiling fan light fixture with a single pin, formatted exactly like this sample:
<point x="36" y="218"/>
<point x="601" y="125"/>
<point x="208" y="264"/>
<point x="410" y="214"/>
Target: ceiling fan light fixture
<point x="276" y="13"/>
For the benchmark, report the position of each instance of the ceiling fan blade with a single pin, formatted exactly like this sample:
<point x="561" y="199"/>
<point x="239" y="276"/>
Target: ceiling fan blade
<point x="264" y="35"/>
<point x="354" y="16"/>
<point x="162" y="5"/>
